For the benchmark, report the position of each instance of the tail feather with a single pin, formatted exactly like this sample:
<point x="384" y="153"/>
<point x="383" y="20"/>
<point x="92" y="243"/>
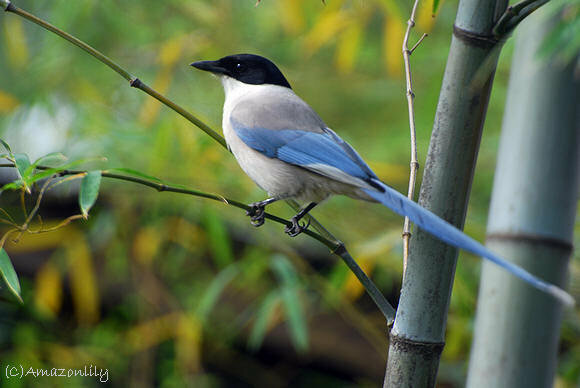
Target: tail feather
<point x="448" y="233"/>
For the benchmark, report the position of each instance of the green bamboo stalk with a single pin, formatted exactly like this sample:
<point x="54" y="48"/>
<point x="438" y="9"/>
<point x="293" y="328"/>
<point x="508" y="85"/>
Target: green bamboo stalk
<point x="417" y="337"/>
<point x="531" y="219"/>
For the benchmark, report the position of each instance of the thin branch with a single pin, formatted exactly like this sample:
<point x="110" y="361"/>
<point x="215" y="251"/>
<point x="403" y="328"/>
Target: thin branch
<point x="414" y="164"/>
<point x="514" y="15"/>
<point x="64" y="222"/>
<point x="10" y="219"/>
<point x="418" y="43"/>
<point x="36" y="205"/>
<point x="336" y="247"/>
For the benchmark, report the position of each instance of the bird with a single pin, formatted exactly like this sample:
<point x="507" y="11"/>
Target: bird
<point x="284" y="146"/>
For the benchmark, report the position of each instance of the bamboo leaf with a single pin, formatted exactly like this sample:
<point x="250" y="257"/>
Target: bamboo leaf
<point x="16" y="185"/>
<point x="293" y="20"/>
<point x="7" y="102"/>
<point x="89" y="191"/>
<point x="83" y="279"/>
<point x="5" y="145"/>
<point x="53" y="157"/>
<point x="291" y="302"/>
<point x="16" y="47"/>
<point x="214" y="290"/>
<point x="22" y="164"/>
<point x="48" y="289"/>
<point x="328" y="25"/>
<point x="426" y="16"/>
<point x="9" y="275"/>
<point x="219" y="241"/>
<point x="348" y="45"/>
<point x="394" y="32"/>
<point x="435" y="6"/>
<point x="263" y="318"/>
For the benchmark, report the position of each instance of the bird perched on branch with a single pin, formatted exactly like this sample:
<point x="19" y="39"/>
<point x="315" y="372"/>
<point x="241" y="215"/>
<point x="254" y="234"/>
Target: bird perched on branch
<point x="287" y="150"/>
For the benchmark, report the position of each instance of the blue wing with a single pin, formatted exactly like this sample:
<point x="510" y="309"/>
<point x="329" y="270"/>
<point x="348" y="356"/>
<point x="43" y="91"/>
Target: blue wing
<point x="323" y="152"/>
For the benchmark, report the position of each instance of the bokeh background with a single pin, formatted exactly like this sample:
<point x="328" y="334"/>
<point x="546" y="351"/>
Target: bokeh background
<point x="171" y="290"/>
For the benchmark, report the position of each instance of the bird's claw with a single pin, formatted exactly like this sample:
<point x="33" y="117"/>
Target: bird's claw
<point x="256" y="213"/>
<point x="296" y="228"/>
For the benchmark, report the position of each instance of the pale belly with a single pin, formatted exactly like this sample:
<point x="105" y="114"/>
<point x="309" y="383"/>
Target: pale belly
<point x="282" y="180"/>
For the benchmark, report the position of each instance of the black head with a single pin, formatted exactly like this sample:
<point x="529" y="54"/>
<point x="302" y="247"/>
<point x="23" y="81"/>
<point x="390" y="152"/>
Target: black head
<point x="247" y="68"/>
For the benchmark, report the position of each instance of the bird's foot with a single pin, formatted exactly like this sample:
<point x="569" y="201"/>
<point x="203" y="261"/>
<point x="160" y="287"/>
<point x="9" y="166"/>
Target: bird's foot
<point x="296" y="228"/>
<point x="256" y="213"/>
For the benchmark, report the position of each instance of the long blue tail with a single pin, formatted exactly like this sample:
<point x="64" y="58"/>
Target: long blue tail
<point x="448" y="233"/>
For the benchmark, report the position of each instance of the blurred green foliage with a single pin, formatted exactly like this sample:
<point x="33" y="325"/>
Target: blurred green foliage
<point x="171" y="290"/>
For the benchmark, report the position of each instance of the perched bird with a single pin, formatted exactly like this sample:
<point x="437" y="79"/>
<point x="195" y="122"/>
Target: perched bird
<point x="287" y="150"/>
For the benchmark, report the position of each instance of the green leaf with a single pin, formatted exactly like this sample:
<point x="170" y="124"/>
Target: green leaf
<point x="210" y="297"/>
<point x="435" y="6"/>
<point x="9" y="275"/>
<point x="22" y="164"/>
<point x="5" y="145"/>
<point x="50" y="158"/>
<point x="291" y="302"/>
<point x="89" y="191"/>
<point x="263" y="316"/>
<point x="135" y="173"/>
<point x="219" y="241"/>
<point x="16" y="185"/>
<point x="55" y="170"/>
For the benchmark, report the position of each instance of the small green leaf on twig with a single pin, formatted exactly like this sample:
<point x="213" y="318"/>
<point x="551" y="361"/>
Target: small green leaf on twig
<point x="16" y="185"/>
<point x="435" y="7"/>
<point x="4" y="144"/>
<point x="89" y="191"/>
<point x="22" y="164"/>
<point x="9" y="275"/>
<point x="53" y="157"/>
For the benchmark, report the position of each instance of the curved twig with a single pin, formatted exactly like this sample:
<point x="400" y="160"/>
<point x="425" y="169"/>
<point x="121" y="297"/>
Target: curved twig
<point x="414" y="164"/>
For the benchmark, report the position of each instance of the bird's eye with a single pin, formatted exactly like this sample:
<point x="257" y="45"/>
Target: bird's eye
<point x="240" y="67"/>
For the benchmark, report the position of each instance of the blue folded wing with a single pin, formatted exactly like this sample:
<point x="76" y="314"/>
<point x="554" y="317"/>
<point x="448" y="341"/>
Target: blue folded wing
<point x="323" y="152"/>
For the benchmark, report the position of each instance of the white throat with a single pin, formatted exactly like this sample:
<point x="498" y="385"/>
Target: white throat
<point x="236" y="90"/>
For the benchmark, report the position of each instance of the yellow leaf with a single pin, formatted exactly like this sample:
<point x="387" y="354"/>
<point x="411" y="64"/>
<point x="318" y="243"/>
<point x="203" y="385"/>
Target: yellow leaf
<point x="293" y="20"/>
<point x="326" y="28"/>
<point x="352" y="287"/>
<point x="368" y="254"/>
<point x="151" y="106"/>
<point x="186" y="234"/>
<point x="15" y="39"/>
<point x="169" y="54"/>
<point x="392" y="173"/>
<point x="48" y="289"/>
<point x="425" y="18"/>
<point x="83" y="282"/>
<point x="347" y="47"/>
<point x="7" y="102"/>
<point x="36" y="242"/>
<point x="171" y="51"/>
<point x="393" y="34"/>
<point x="391" y="8"/>
<point x="146" y="245"/>
<point x="152" y="332"/>
<point x="188" y="345"/>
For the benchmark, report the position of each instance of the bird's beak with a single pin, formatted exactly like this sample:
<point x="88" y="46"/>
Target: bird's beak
<point x="211" y="66"/>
